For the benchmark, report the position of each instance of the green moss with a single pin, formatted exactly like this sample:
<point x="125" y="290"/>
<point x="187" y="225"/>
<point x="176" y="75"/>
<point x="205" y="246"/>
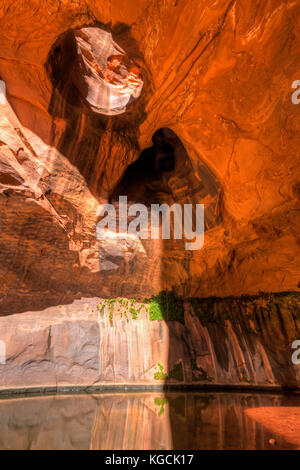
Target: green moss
<point x="177" y="372"/>
<point x="156" y="312"/>
<point x="123" y="302"/>
<point x="134" y="313"/>
<point x="166" y="306"/>
<point x="160" y="374"/>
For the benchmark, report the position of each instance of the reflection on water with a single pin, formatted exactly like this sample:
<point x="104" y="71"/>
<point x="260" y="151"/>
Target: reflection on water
<point x="175" y="420"/>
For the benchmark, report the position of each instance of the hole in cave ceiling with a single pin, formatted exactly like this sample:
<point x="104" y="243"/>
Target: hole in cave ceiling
<point x="89" y="69"/>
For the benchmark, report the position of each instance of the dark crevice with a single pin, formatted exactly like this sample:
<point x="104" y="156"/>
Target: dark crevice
<point x="150" y="173"/>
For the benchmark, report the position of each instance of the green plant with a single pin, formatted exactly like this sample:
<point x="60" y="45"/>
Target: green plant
<point x="134" y="313"/>
<point x="123" y="302"/>
<point x="177" y="372"/>
<point x="166" y="306"/>
<point x="102" y="309"/>
<point x="160" y="374"/>
<point x="156" y="311"/>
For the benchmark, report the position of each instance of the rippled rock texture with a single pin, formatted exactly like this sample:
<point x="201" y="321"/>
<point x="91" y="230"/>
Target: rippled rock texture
<point x="219" y="75"/>
<point x="208" y="83"/>
<point x="100" y="342"/>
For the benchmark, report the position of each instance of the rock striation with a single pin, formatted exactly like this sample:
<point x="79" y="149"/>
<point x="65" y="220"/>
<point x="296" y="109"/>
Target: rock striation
<point x="213" y="84"/>
<point x="99" y="343"/>
<point x="219" y="421"/>
<point x="212" y="81"/>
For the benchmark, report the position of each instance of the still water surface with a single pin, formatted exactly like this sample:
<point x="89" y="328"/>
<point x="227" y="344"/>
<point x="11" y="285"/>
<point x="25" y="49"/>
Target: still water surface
<point x="175" y="420"/>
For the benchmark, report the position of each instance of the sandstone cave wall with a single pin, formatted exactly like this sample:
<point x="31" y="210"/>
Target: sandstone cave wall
<point x="96" y="343"/>
<point x="219" y="75"/>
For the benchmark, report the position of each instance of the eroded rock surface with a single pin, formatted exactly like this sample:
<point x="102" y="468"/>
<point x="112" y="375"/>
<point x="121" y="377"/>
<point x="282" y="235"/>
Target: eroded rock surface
<point x="219" y="76"/>
<point x="88" y="67"/>
<point x="221" y="83"/>
<point x="99" y="342"/>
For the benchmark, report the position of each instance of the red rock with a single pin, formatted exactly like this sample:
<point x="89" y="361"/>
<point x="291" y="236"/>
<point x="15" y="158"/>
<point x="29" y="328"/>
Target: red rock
<point x="221" y="79"/>
<point x="285" y="421"/>
<point x="97" y="342"/>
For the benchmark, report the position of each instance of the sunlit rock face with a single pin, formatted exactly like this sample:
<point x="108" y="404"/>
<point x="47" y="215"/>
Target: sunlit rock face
<point x="216" y="77"/>
<point x="241" y="342"/>
<point x="214" y="82"/>
<point x="219" y="76"/>
<point x="89" y="68"/>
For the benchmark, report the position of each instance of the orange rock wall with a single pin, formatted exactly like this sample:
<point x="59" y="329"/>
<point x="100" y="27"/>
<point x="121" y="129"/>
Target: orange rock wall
<point x="218" y="74"/>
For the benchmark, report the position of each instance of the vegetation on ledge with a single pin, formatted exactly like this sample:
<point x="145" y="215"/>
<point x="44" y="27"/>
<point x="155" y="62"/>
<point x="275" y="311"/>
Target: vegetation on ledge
<point x="175" y="373"/>
<point x="160" y="374"/>
<point x="122" y="306"/>
<point x="166" y="306"/>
